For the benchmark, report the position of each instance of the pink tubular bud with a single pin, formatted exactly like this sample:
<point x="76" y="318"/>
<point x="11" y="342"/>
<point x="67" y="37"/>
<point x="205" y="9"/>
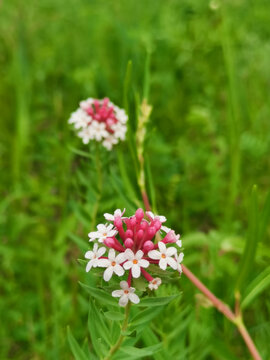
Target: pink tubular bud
<point x="151" y="232"/>
<point x="129" y="234"/>
<point x="148" y="245"/>
<point x="132" y="221"/>
<point x="109" y="242"/>
<point x="118" y="221"/>
<point x="156" y="224"/>
<point x="140" y="234"/>
<point x="144" y="225"/>
<point x="128" y="243"/>
<point x="139" y="214"/>
<point x="171" y="237"/>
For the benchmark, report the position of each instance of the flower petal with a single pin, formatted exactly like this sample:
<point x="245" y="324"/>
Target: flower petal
<point x="129" y="254"/>
<point x="124" y="285"/>
<point x="120" y="258"/>
<point x="180" y="257"/>
<point x="127" y="265"/>
<point x="172" y="263"/>
<point x="123" y="300"/>
<point x="154" y="254"/>
<point x="171" y="251"/>
<point x="101" y="251"/>
<point x="103" y="263"/>
<point x="89" y="254"/>
<point x="111" y="254"/>
<point x="118" y="270"/>
<point x="109" y="217"/>
<point x="163" y="264"/>
<point x="89" y="265"/>
<point x="108" y="273"/>
<point x="134" y="298"/>
<point x="143" y="263"/>
<point x="161" y="246"/>
<point x="117" y="293"/>
<point x="136" y="271"/>
<point x="139" y="254"/>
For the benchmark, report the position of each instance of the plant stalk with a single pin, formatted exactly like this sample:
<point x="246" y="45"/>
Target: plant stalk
<point x="118" y="343"/>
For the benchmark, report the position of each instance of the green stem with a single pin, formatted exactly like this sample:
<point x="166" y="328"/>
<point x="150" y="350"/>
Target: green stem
<point x="99" y="188"/>
<point x="118" y="343"/>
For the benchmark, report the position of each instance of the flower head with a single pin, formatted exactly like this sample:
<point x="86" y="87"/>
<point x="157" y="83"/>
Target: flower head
<point x="99" y="120"/>
<point x="94" y="256"/>
<point x="132" y="246"/>
<point x="126" y="294"/>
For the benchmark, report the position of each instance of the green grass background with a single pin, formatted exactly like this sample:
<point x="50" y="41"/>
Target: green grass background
<point x="208" y="143"/>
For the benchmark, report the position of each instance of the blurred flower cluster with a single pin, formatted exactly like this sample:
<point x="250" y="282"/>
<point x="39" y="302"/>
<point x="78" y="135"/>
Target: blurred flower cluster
<point x="132" y="244"/>
<point x="99" y="120"/>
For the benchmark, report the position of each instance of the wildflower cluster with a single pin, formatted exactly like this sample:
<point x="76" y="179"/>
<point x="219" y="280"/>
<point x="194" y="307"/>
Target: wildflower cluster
<point x="133" y="243"/>
<point x="100" y="120"/>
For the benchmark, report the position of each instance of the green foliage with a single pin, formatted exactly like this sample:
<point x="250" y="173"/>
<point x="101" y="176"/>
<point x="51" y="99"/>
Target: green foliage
<point x="204" y="67"/>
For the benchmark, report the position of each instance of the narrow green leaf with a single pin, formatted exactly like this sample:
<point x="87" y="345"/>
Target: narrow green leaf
<point x="150" y="182"/>
<point x="96" y="339"/>
<point x="75" y="347"/>
<point x="139" y="353"/>
<point x="264" y="219"/>
<point x="125" y="177"/>
<point x="114" y="315"/>
<point x="145" y="316"/>
<point x="80" y="152"/>
<point x="251" y="242"/>
<point x="157" y="301"/>
<point x="100" y="295"/>
<point x="257" y="286"/>
<point x="127" y="82"/>
<point x="101" y="326"/>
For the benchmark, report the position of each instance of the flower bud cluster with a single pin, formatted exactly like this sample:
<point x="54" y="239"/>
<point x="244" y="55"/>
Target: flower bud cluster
<point x="99" y="120"/>
<point x="132" y="244"/>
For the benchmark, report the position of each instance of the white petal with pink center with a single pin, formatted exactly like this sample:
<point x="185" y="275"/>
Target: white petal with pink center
<point x="103" y="231"/>
<point x="126" y="294"/>
<point x="112" y="264"/>
<point x="93" y="256"/>
<point x="135" y="262"/>
<point x="164" y="255"/>
<point x="117" y="213"/>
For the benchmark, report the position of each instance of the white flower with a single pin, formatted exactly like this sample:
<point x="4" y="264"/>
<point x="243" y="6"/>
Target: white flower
<point x="117" y="213"/>
<point x="99" y="130"/>
<point x="94" y="256"/>
<point x="85" y="104"/>
<point x="112" y="264"/>
<point x="120" y="114"/>
<point x="103" y="231"/>
<point x="80" y="119"/>
<point x="126" y="294"/>
<point x="154" y="284"/>
<point x="164" y="255"/>
<point x="135" y="262"/>
<point x="179" y="258"/>
<point x="109" y="141"/>
<point x="86" y="134"/>
<point x="119" y="130"/>
<point x="178" y="242"/>
<point x="161" y="218"/>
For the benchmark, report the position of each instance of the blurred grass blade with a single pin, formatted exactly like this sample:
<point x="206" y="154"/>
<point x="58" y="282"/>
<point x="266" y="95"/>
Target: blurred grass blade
<point x="257" y="286"/>
<point x="125" y="177"/>
<point x="249" y="254"/>
<point x="146" y="83"/>
<point x="127" y="83"/>
<point x="264" y="219"/>
<point x="75" y="347"/>
<point x="150" y="184"/>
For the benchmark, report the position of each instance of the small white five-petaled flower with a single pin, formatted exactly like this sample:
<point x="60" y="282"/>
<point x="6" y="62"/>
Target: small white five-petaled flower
<point x="117" y="213"/>
<point x="93" y="256"/>
<point x="103" y="231"/>
<point x="154" y="284"/>
<point x="164" y="255"/>
<point x="112" y="264"/>
<point x="126" y="294"/>
<point x="135" y="262"/>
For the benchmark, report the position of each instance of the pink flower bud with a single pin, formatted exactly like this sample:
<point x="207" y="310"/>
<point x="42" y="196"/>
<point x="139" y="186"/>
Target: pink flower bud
<point x="128" y="243"/>
<point x="109" y="242"/>
<point x="171" y="237"/>
<point x="148" y="245"/>
<point x="156" y="224"/>
<point x="140" y="234"/>
<point x="139" y="214"/>
<point x="132" y="221"/>
<point x="118" y="222"/>
<point x="144" y="225"/>
<point x="129" y="234"/>
<point x="151" y="232"/>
